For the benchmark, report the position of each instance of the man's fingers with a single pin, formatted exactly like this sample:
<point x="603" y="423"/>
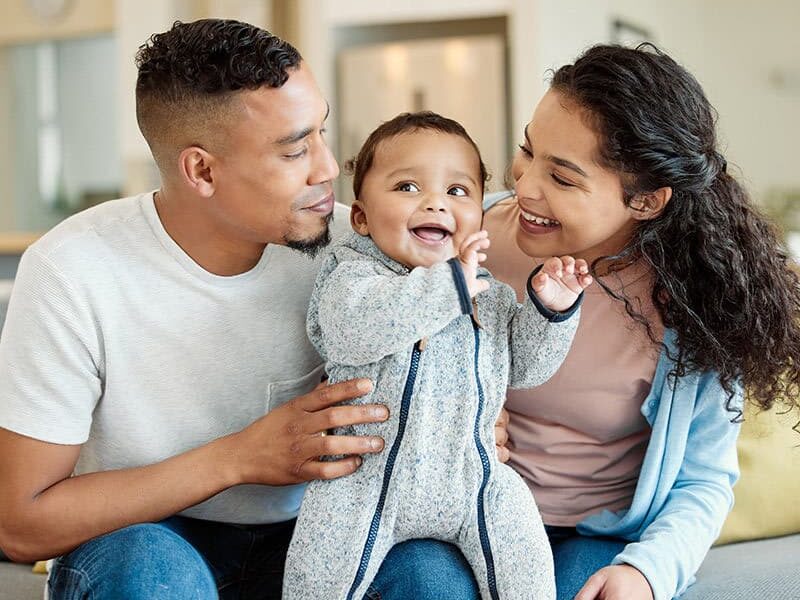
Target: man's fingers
<point x="317" y="469"/>
<point x="342" y="416"/>
<point x="322" y="397"/>
<point x="329" y="445"/>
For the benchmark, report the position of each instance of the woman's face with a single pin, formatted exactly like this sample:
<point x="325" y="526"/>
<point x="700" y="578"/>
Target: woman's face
<point x="568" y="203"/>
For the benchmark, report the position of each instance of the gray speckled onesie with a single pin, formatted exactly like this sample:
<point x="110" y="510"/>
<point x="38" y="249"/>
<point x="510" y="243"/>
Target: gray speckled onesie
<point x="438" y="476"/>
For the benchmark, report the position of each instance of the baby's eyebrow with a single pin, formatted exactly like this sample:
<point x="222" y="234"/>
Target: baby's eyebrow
<point x="465" y="176"/>
<point x="400" y="171"/>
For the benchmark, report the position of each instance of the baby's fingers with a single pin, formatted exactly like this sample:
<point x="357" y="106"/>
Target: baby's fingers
<point x="552" y="267"/>
<point x="474" y="237"/>
<point x="481" y="285"/>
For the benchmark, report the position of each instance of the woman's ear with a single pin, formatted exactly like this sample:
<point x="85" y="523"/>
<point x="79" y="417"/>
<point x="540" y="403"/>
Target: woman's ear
<point x="358" y="218"/>
<point x="195" y="165"/>
<point x="649" y="205"/>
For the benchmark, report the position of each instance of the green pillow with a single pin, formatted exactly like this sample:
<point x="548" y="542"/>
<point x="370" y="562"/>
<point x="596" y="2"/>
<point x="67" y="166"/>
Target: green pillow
<point x="769" y="487"/>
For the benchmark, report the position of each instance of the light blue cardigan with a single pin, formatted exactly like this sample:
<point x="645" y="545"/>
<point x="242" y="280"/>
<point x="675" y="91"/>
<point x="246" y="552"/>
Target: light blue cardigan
<point x="684" y="492"/>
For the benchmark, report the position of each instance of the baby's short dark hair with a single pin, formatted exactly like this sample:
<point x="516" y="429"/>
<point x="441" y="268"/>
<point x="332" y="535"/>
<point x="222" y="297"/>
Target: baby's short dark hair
<point x="404" y="123"/>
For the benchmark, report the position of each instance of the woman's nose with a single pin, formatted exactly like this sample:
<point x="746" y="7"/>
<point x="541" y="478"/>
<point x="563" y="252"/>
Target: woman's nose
<point x="528" y="185"/>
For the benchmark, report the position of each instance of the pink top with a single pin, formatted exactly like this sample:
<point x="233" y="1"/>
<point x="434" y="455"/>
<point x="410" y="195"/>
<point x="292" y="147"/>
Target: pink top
<point x="579" y="439"/>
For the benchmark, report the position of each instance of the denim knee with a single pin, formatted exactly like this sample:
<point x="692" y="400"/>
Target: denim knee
<point x="424" y="569"/>
<point x="137" y="562"/>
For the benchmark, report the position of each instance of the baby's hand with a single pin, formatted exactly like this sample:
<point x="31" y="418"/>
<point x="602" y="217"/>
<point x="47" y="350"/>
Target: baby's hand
<point x="470" y="256"/>
<point x="561" y="281"/>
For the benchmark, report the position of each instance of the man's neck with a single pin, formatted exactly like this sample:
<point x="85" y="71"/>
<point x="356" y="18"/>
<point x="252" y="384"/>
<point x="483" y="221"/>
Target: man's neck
<point x="204" y="241"/>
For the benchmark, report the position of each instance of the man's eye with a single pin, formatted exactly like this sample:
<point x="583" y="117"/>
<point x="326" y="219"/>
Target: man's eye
<point x="457" y="190"/>
<point x="295" y="155"/>
<point x="407" y="186"/>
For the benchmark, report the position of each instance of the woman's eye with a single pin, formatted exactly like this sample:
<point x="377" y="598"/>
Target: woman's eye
<point x="525" y="151"/>
<point x="457" y="190"/>
<point x="561" y="182"/>
<point x="407" y="186"/>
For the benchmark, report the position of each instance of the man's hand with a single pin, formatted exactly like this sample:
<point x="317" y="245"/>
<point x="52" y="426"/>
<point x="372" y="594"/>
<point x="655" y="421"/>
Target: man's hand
<point x="470" y="255"/>
<point x="285" y="446"/>
<point x="618" y="582"/>
<point x="501" y="437"/>
<point x="561" y="281"/>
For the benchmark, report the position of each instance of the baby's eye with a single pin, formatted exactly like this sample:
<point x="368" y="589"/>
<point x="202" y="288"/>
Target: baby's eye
<point x="407" y="186"/>
<point x="457" y="190"/>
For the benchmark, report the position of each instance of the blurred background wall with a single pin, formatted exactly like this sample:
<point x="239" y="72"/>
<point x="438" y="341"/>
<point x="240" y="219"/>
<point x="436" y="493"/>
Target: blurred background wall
<point x="69" y="135"/>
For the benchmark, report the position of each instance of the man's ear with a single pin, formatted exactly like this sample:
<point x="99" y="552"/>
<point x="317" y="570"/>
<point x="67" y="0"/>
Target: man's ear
<point x="649" y="205"/>
<point x="358" y="218"/>
<point x="195" y="165"/>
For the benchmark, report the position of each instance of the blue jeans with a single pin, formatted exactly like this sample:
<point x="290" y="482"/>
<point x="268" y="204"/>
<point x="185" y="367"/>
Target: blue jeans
<point x="578" y="557"/>
<point x="182" y="558"/>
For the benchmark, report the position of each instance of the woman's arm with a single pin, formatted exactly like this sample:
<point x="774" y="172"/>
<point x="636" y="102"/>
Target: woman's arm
<point x="672" y="548"/>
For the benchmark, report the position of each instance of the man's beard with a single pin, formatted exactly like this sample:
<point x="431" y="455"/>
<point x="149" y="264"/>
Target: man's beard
<point x="312" y="246"/>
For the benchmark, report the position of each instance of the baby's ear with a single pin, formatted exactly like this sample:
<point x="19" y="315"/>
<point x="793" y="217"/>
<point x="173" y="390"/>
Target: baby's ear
<point x="358" y="218"/>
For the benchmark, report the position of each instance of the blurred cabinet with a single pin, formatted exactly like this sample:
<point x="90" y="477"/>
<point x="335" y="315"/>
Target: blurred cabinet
<point x="462" y="78"/>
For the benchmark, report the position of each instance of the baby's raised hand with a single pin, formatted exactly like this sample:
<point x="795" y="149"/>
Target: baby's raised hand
<point x="560" y="281"/>
<point x="470" y="256"/>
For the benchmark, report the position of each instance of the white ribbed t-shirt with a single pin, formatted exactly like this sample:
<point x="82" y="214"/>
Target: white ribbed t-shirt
<point x="117" y="340"/>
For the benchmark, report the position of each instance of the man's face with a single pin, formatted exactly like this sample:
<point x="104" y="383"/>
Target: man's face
<point x="273" y="180"/>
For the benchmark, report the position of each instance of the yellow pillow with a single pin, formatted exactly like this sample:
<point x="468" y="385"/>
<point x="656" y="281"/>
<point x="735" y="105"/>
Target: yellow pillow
<point x="768" y="490"/>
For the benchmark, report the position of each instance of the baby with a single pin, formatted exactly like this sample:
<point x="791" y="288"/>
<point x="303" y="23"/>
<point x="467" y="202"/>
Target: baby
<point x="402" y="301"/>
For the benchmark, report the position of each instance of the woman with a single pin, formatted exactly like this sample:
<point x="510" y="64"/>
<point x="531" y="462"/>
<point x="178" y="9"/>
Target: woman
<point x="632" y="467"/>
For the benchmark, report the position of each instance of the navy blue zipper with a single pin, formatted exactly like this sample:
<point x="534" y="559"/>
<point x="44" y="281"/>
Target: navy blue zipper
<point x="387" y="474"/>
<point x="483" y="533"/>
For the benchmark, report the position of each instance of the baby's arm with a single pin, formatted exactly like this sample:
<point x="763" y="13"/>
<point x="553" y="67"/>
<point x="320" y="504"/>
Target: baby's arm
<point x="541" y="329"/>
<point x="363" y="313"/>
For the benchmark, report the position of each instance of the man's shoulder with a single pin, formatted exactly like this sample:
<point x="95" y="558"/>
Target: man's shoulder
<point x="89" y="229"/>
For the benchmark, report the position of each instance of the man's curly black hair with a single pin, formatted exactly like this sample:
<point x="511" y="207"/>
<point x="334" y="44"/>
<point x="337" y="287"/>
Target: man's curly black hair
<point x="189" y="74"/>
<point x="722" y="279"/>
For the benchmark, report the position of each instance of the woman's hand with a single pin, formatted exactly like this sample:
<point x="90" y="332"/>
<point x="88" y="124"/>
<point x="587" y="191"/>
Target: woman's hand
<point x="501" y="437"/>
<point x="560" y="281"/>
<point x="618" y="582"/>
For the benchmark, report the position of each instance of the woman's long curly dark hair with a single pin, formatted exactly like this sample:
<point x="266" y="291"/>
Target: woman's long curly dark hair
<point x="722" y="279"/>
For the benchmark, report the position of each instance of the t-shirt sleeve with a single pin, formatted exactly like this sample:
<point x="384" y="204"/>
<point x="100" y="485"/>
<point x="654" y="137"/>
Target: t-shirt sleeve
<point x="50" y="354"/>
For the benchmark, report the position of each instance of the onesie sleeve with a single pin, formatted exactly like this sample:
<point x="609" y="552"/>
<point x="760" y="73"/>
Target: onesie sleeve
<point x="360" y="312"/>
<point x="538" y="339"/>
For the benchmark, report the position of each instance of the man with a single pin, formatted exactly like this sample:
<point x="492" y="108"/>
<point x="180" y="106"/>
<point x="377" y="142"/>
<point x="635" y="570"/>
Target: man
<point x="155" y="346"/>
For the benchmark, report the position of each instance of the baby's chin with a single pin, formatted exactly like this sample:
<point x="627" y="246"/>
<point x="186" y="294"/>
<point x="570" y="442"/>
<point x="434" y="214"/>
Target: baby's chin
<point x="430" y="259"/>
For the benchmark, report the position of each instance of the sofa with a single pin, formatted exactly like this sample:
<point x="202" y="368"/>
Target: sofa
<point x="762" y="569"/>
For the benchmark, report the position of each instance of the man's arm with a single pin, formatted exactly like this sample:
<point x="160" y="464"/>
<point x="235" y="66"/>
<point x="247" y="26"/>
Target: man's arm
<point x="44" y="512"/>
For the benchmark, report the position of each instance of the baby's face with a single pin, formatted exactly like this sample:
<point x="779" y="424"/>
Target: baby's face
<point x="421" y="198"/>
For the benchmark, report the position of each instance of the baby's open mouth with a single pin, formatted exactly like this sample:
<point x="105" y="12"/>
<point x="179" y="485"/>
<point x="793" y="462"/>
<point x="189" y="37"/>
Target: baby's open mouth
<point x="431" y="234"/>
